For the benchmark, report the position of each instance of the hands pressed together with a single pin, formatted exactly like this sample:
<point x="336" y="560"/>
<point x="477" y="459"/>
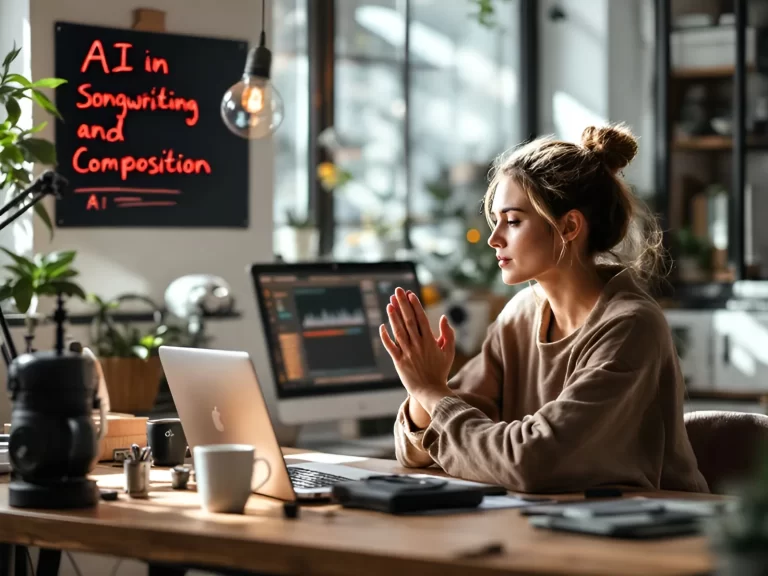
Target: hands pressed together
<point x="422" y="361"/>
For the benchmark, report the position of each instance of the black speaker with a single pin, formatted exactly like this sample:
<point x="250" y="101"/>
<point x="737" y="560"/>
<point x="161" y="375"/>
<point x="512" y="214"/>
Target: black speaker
<point x="167" y="441"/>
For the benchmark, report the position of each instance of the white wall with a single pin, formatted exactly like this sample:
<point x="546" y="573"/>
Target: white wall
<point x="596" y="66"/>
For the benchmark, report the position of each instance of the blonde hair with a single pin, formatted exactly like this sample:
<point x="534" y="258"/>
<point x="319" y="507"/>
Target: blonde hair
<point x="562" y="176"/>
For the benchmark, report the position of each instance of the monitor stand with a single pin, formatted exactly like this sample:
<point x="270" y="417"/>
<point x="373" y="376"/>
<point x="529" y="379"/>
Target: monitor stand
<point x="369" y="439"/>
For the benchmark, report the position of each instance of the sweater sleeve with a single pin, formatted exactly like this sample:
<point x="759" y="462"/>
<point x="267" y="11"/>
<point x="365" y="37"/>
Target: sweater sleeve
<point x="476" y="383"/>
<point x="588" y="436"/>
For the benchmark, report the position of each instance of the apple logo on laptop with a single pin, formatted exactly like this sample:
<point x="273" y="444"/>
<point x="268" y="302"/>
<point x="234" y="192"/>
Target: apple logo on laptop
<point x="216" y="416"/>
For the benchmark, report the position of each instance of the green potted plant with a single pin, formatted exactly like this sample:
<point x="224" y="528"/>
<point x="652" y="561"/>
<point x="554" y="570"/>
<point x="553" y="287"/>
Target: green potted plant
<point x="740" y="538"/>
<point x="694" y="259"/>
<point x="19" y="147"/>
<point x="128" y="354"/>
<point x="43" y="275"/>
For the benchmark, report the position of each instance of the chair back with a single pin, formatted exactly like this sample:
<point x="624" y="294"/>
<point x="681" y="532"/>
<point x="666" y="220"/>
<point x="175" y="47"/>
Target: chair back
<point x="728" y="445"/>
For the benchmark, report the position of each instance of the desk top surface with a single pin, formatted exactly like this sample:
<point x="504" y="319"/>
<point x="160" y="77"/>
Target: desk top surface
<point x="171" y="527"/>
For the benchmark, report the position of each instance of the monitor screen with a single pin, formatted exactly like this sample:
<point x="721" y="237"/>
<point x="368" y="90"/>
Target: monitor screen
<point x="321" y="323"/>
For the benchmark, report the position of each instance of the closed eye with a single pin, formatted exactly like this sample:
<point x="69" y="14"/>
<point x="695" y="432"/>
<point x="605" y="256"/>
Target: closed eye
<point x="513" y="222"/>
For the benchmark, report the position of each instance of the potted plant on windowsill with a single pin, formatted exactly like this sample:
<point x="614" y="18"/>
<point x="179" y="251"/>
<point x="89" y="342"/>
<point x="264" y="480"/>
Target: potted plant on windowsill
<point x="129" y="355"/>
<point x="298" y="240"/>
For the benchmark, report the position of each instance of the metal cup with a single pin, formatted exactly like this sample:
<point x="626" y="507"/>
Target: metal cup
<point x="137" y="478"/>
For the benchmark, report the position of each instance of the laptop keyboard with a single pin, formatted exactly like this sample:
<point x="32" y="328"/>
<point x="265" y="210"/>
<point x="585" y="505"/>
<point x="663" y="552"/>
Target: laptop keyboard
<point x="303" y="478"/>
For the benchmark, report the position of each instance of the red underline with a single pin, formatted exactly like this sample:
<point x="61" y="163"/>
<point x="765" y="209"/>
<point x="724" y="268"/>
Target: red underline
<point x="140" y="204"/>
<point x="127" y="199"/>
<point x="118" y="189"/>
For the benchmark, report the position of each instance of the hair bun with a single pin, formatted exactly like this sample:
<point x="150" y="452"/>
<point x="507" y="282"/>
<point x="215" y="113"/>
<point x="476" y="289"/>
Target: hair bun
<point x="615" y="144"/>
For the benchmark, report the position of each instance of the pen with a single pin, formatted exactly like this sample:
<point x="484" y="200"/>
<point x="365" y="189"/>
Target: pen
<point x="135" y="452"/>
<point x="145" y="452"/>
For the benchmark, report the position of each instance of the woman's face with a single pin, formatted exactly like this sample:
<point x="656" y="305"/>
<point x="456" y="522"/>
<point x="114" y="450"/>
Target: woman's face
<point x="525" y="244"/>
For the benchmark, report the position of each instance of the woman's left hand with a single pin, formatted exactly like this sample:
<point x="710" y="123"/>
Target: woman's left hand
<point x="422" y="361"/>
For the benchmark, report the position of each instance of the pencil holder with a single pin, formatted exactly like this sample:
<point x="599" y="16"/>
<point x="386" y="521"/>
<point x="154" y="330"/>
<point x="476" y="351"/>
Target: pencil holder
<point x="137" y="478"/>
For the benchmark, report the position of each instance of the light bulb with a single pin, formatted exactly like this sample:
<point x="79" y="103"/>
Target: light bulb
<point x="252" y="108"/>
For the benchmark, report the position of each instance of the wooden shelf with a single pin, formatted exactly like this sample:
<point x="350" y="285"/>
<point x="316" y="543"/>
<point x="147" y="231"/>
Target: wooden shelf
<point x="715" y="143"/>
<point x="703" y="143"/>
<point x="704" y="73"/>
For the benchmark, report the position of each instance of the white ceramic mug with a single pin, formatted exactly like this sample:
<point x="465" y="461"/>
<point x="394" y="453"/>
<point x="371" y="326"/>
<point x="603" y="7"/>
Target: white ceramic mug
<point x="223" y="473"/>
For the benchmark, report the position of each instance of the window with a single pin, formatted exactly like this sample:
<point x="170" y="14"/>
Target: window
<point x="423" y="98"/>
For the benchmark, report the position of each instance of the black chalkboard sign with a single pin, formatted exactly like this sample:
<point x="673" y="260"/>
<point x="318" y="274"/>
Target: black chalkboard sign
<point x="142" y="141"/>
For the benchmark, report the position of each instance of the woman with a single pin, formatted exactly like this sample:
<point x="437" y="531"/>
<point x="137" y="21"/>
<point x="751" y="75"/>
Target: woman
<point x="578" y="383"/>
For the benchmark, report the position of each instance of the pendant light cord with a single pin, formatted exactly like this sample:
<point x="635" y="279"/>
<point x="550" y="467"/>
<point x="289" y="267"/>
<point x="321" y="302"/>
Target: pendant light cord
<point x="263" y="37"/>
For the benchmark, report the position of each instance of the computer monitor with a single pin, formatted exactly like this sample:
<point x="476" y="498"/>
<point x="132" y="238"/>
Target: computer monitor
<point x="321" y="324"/>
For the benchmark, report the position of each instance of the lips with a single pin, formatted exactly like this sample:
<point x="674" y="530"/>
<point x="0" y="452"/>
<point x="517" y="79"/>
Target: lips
<point x="503" y="261"/>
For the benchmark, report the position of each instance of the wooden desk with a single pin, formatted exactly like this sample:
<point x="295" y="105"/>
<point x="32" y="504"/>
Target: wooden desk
<point x="170" y="527"/>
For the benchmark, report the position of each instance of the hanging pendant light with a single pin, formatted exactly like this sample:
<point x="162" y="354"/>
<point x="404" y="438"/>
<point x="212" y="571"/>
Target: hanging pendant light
<point x="252" y="108"/>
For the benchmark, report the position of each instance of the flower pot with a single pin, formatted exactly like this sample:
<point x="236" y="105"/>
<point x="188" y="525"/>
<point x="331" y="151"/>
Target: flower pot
<point x="132" y="383"/>
<point x="297" y="244"/>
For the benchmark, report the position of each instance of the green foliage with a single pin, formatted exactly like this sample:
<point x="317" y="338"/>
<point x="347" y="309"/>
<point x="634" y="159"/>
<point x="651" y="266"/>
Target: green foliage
<point x="691" y="246"/>
<point x="110" y="338"/>
<point x="486" y="12"/>
<point x="296" y="221"/>
<point x="744" y="531"/>
<point x="43" y="275"/>
<point x="20" y="148"/>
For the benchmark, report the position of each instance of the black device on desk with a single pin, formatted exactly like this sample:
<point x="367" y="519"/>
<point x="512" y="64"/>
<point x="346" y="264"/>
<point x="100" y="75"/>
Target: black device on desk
<point x="405" y="494"/>
<point x="53" y="440"/>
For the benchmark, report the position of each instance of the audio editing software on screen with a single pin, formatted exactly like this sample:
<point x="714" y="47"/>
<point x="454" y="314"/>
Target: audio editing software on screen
<point x="324" y="330"/>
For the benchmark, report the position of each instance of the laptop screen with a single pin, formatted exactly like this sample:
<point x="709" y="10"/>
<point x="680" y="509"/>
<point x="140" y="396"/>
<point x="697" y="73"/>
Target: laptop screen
<point x="321" y="323"/>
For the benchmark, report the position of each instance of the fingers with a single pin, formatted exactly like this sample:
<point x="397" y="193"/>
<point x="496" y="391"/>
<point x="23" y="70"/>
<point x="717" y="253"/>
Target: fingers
<point x="447" y="335"/>
<point x="396" y="321"/>
<point x="409" y="316"/>
<point x="391" y="347"/>
<point x="421" y="315"/>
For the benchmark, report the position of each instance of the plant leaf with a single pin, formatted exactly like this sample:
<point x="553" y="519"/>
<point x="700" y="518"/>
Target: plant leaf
<point x="48" y="82"/>
<point x="63" y="273"/>
<point x="140" y="351"/>
<point x="41" y="150"/>
<point x="14" y="111"/>
<point x="45" y="102"/>
<point x="35" y="129"/>
<point x="12" y="155"/>
<point x="10" y="58"/>
<point x="42" y="212"/>
<point x="22" y="294"/>
<point x="68" y="288"/>
<point x="24" y="263"/>
<point x="19" y="79"/>
<point x="55" y="260"/>
<point x="6" y="290"/>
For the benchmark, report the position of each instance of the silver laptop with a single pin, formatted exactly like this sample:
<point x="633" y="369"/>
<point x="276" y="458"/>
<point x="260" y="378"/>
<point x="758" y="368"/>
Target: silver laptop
<point x="219" y="401"/>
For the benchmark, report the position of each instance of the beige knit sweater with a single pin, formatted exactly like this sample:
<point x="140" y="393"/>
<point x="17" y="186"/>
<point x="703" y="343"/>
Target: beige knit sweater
<point x="603" y="406"/>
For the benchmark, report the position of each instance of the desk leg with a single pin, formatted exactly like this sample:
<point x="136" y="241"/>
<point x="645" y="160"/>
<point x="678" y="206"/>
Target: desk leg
<point x="5" y="559"/>
<point x="166" y="570"/>
<point x="48" y="562"/>
<point x="20" y="560"/>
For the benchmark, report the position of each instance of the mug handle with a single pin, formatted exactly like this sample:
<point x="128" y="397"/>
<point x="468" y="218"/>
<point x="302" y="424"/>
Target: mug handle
<point x="256" y="460"/>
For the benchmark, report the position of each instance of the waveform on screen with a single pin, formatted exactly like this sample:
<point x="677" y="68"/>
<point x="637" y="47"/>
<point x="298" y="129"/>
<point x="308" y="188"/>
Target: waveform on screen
<point x="334" y="318"/>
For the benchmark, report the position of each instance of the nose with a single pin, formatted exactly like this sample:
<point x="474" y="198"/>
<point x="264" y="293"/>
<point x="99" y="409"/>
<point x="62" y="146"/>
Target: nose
<point x="496" y="240"/>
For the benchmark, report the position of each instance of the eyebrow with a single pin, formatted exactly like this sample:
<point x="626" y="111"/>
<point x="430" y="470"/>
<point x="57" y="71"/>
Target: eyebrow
<point x="510" y="209"/>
